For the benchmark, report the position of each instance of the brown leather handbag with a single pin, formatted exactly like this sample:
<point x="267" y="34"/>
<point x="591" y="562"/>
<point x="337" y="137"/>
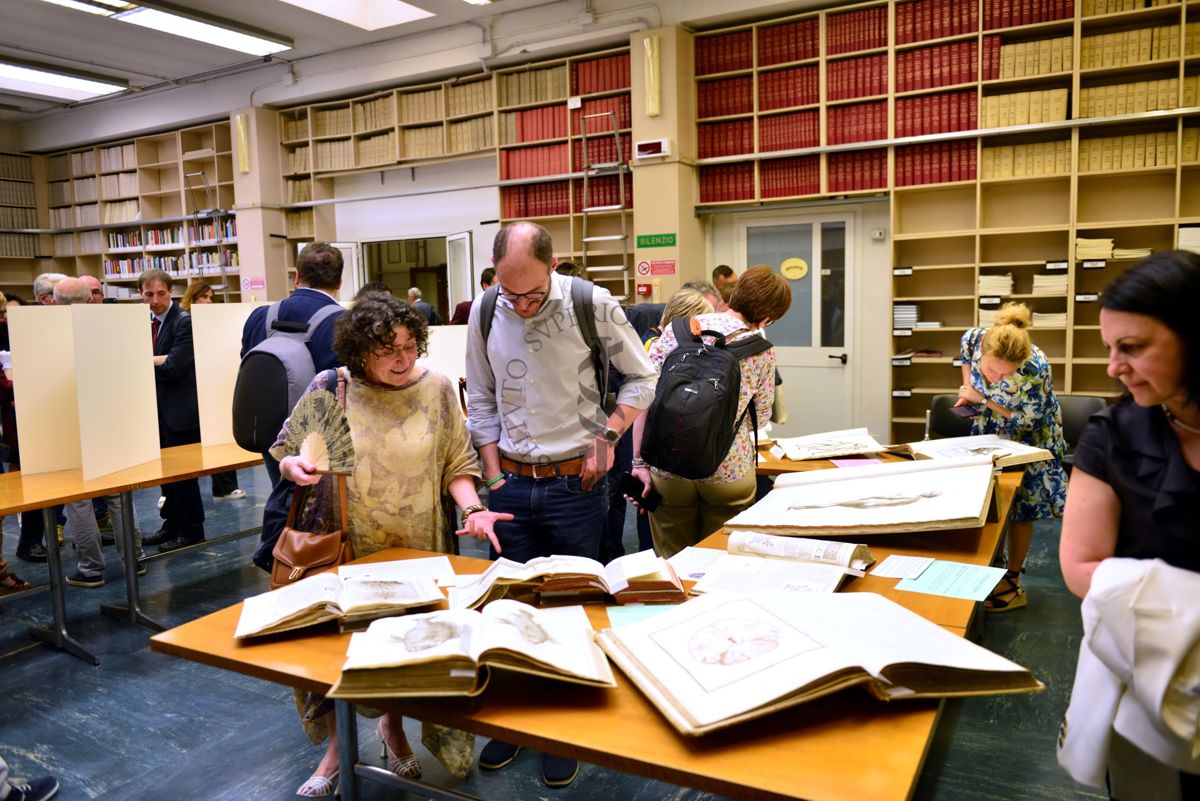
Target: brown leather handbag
<point x="299" y="554"/>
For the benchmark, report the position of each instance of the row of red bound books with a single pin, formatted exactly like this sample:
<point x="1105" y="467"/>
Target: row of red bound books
<point x="791" y="41"/>
<point x="856" y="30"/>
<point x="935" y="19"/>
<point x="796" y="86"/>
<point x="619" y="104"/>
<point x="536" y="124"/>
<point x="930" y="114"/>
<point x="528" y="162"/>
<point x="858" y="171"/>
<point x="866" y="76"/>
<point x="600" y="75"/>
<point x="790" y="177"/>
<point x="603" y="191"/>
<point x="535" y="200"/>
<point x="727" y="96"/>
<point x="601" y="150"/>
<point x="942" y="65"/>
<point x="1007" y="13"/>
<point x="789" y="131"/>
<point x="725" y="138"/>
<point x="723" y="182"/>
<point x="724" y="53"/>
<point x="864" y="122"/>
<point x="936" y="163"/>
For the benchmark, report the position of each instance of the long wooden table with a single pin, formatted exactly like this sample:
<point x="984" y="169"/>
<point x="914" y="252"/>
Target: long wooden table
<point x="845" y="747"/>
<point x="43" y="491"/>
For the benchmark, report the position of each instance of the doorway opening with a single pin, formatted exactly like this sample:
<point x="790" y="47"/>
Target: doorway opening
<point x="404" y="263"/>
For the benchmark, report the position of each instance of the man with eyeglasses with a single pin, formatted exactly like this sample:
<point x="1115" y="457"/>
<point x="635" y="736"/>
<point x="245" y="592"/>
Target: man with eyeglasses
<point x="534" y="414"/>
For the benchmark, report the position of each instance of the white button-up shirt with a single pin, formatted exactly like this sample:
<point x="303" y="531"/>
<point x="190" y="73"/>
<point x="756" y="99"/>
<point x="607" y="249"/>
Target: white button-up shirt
<point x="534" y="390"/>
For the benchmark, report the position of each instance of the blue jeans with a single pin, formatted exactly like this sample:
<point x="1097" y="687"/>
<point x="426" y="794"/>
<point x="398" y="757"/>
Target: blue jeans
<point x="550" y="516"/>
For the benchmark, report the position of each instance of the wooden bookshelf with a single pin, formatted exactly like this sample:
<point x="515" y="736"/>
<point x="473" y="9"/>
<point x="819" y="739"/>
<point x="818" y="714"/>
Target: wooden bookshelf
<point x="23" y="208"/>
<point x="161" y="201"/>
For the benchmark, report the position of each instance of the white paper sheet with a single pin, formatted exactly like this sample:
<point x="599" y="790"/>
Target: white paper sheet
<point x="902" y="567"/>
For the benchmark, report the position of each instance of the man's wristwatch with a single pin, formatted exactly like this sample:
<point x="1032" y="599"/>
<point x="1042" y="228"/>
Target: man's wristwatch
<point x="611" y="434"/>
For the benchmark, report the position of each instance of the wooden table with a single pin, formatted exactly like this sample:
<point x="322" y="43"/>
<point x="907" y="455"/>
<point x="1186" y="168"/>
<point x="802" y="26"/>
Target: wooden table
<point x="845" y="747"/>
<point x="43" y="491"/>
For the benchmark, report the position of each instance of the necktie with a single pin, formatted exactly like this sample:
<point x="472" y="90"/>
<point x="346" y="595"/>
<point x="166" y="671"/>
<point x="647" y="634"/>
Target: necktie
<point x="154" y="325"/>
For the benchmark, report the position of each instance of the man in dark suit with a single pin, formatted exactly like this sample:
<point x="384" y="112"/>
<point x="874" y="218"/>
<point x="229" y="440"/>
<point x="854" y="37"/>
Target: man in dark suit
<point x="178" y="411"/>
<point x="431" y="314"/>
<point x="318" y="279"/>
<point x="463" y="310"/>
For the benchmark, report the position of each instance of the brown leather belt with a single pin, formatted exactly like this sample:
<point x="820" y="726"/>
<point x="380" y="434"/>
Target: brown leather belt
<point x="569" y="467"/>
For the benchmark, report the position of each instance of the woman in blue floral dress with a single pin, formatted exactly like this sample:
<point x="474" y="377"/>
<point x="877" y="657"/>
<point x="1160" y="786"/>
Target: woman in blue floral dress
<point x="1008" y="378"/>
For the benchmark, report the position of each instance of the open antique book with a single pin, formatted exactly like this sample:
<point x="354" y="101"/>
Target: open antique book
<point x="328" y="596"/>
<point x="449" y="652"/>
<point x="924" y="495"/>
<point x="722" y="659"/>
<point x="1004" y="452"/>
<point x="634" y="578"/>
<point x="757" y="562"/>
<point x="829" y="445"/>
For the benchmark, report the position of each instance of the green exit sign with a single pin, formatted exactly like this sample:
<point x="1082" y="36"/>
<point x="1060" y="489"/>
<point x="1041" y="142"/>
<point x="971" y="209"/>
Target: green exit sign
<point x="656" y="240"/>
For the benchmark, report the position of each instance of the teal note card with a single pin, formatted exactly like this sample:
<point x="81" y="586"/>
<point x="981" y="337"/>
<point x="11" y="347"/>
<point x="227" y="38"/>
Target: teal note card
<point x="624" y="615"/>
<point x="955" y="580"/>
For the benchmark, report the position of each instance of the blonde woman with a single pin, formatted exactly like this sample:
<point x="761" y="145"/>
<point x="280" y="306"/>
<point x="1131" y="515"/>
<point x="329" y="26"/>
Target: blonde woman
<point x="684" y="303"/>
<point x="1008" y="378"/>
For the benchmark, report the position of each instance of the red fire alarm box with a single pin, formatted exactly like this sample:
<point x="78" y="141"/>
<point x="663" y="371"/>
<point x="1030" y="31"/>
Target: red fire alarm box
<point x="644" y="289"/>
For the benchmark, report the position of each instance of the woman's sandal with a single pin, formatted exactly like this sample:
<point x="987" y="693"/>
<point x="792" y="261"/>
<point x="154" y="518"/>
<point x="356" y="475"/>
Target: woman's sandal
<point x="1008" y="595"/>
<point x="406" y="766"/>
<point x="319" y="786"/>
<point x="13" y="583"/>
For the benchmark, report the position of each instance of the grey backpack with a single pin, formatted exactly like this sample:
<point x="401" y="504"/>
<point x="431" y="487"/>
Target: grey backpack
<point x="272" y="377"/>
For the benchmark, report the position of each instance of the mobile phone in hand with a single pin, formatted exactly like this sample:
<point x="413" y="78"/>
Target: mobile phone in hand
<point x="632" y="487"/>
<point x="968" y="410"/>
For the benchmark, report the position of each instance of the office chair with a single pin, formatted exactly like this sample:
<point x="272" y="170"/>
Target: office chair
<point x="1076" y="409"/>
<point x="941" y="422"/>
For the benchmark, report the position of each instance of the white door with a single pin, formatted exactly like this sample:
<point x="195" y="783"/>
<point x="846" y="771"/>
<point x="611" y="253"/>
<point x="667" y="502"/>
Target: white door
<point x="352" y="269"/>
<point x="812" y="341"/>
<point x="460" y="263"/>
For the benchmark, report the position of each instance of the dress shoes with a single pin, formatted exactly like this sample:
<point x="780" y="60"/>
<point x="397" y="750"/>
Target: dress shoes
<point x="158" y="537"/>
<point x="175" y="543"/>
<point x="35" y="554"/>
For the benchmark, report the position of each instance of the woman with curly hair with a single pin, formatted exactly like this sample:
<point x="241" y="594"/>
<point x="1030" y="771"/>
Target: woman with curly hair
<point x="410" y="450"/>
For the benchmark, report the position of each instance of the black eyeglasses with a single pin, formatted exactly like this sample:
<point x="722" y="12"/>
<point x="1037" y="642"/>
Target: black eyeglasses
<point x="533" y="297"/>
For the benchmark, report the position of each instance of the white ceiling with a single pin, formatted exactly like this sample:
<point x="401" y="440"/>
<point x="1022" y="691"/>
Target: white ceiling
<point x="35" y="31"/>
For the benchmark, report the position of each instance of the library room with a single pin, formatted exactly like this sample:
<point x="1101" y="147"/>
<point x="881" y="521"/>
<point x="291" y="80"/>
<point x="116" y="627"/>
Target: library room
<point x="522" y="371"/>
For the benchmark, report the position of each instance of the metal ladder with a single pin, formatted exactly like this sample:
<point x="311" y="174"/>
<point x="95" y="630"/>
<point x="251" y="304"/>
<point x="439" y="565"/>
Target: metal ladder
<point x="618" y="168"/>
<point x="217" y="216"/>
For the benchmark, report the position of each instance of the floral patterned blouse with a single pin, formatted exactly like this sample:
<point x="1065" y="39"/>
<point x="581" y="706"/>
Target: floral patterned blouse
<point x="758" y="382"/>
<point x="1036" y="420"/>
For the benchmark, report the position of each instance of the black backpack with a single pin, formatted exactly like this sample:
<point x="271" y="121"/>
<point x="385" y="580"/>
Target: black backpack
<point x="693" y="420"/>
<point x="272" y="377"/>
<point x="585" y="315"/>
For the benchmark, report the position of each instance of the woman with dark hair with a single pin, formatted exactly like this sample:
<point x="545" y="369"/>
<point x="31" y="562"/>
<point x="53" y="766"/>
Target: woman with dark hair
<point x="1135" y="490"/>
<point x="410" y="450"/>
<point x="1008" y="379"/>
<point x="690" y="509"/>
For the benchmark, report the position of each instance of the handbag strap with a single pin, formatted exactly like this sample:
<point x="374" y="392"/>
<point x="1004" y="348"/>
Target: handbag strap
<point x="343" y="504"/>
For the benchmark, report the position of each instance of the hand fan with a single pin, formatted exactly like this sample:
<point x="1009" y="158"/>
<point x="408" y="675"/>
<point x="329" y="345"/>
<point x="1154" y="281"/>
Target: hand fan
<point x="318" y="431"/>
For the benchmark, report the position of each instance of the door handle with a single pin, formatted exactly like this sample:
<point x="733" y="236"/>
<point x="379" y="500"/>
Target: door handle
<point x="840" y="357"/>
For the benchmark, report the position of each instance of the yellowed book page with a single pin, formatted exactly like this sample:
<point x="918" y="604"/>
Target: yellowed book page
<point x="217" y="341"/>
<point x="447" y="351"/>
<point x="47" y="405"/>
<point x="114" y="369"/>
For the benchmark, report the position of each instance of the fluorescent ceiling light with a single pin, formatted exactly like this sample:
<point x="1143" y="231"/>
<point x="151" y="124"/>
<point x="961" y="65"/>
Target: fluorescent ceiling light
<point x="26" y="80"/>
<point x="370" y="15"/>
<point x="479" y="2"/>
<point x="200" y="31"/>
<point x="228" y="37"/>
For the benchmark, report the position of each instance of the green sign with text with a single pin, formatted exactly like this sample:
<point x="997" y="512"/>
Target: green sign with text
<point x="656" y="240"/>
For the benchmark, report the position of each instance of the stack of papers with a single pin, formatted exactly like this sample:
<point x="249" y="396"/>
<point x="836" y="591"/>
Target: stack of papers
<point x="904" y="315"/>
<point x="1093" y="248"/>
<point x="987" y="317"/>
<point x="826" y="445"/>
<point x="1049" y="319"/>
<point x="928" y="324"/>
<point x="1130" y="254"/>
<point x="1049" y="284"/>
<point x="1189" y="239"/>
<point x="996" y="284"/>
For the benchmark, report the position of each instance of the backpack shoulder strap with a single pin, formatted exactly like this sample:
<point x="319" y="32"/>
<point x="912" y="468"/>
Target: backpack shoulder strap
<point x="585" y="314"/>
<point x="487" y="310"/>
<point x="746" y="347"/>
<point x="682" y="328"/>
<point x="319" y="316"/>
<point x="272" y="316"/>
